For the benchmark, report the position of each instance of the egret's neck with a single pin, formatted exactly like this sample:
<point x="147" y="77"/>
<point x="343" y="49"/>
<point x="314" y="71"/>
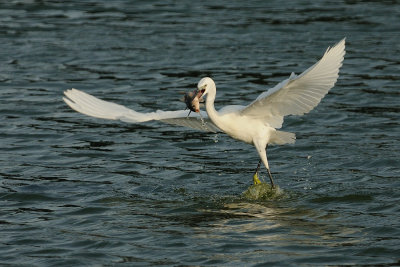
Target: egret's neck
<point x="212" y="113"/>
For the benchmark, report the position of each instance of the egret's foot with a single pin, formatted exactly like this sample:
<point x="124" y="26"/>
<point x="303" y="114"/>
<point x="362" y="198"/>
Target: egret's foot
<point x="256" y="179"/>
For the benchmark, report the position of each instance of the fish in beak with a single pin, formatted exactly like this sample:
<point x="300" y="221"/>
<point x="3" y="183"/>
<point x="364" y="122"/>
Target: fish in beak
<point x="192" y="100"/>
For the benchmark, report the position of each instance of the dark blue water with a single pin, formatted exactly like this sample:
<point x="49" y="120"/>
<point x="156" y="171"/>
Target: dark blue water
<point x="75" y="190"/>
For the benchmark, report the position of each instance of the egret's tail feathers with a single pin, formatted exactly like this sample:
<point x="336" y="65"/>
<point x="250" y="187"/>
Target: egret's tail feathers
<point x="281" y="138"/>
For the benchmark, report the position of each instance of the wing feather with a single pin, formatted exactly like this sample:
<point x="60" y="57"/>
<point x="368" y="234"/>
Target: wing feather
<point x="195" y="123"/>
<point x="95" y="107"/>
<point x="298" y="95"/>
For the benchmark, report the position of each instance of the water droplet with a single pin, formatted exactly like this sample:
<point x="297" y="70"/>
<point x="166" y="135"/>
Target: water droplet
<point x="215" y="138"/>
<point x="203" y="123"/>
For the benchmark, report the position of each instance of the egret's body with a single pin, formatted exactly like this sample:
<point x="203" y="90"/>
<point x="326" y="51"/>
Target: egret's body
<point x="254" y="124"/>
<point x="240" y="126"/>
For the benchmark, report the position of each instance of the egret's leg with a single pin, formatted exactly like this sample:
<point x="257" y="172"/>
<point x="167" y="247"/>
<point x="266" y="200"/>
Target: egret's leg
<point x="258" y="166"/>
<point x="256" y="180"/>
<point x="262" y="152"/>
<point x="269" y="172"/>
<point x="270" y="178"/>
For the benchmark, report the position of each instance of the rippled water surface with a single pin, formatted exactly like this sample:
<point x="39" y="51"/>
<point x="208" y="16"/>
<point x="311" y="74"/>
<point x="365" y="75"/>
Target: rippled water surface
<point x="76" y="190"/>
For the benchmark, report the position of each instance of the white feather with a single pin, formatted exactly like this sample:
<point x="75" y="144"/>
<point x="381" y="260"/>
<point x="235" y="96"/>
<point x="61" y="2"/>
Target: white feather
<point x="298" y="95"/>
<point x="95" y="107"/>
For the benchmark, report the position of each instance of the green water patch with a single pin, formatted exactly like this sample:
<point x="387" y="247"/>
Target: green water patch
<point x="262" y="191"/>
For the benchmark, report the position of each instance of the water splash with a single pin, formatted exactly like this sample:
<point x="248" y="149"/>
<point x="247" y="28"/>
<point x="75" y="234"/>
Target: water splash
<point x="203" y="122"/>
<point x="262" y="191"/>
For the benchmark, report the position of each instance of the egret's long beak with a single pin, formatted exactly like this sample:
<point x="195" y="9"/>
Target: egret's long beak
<point x="200" y="93"/>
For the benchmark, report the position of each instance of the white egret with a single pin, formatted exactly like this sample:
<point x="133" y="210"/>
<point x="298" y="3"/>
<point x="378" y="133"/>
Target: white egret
<point x="254" y="124"/>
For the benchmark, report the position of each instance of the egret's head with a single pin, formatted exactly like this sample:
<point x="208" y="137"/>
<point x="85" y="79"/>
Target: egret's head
<point x="204" y="86"/>
<point x="193" y="100"/>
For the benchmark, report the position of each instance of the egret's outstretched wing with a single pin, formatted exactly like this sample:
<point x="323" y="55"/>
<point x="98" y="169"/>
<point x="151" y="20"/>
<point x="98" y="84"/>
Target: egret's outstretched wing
<point x="298" y="94"/>
<point x="94" y="107"/>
